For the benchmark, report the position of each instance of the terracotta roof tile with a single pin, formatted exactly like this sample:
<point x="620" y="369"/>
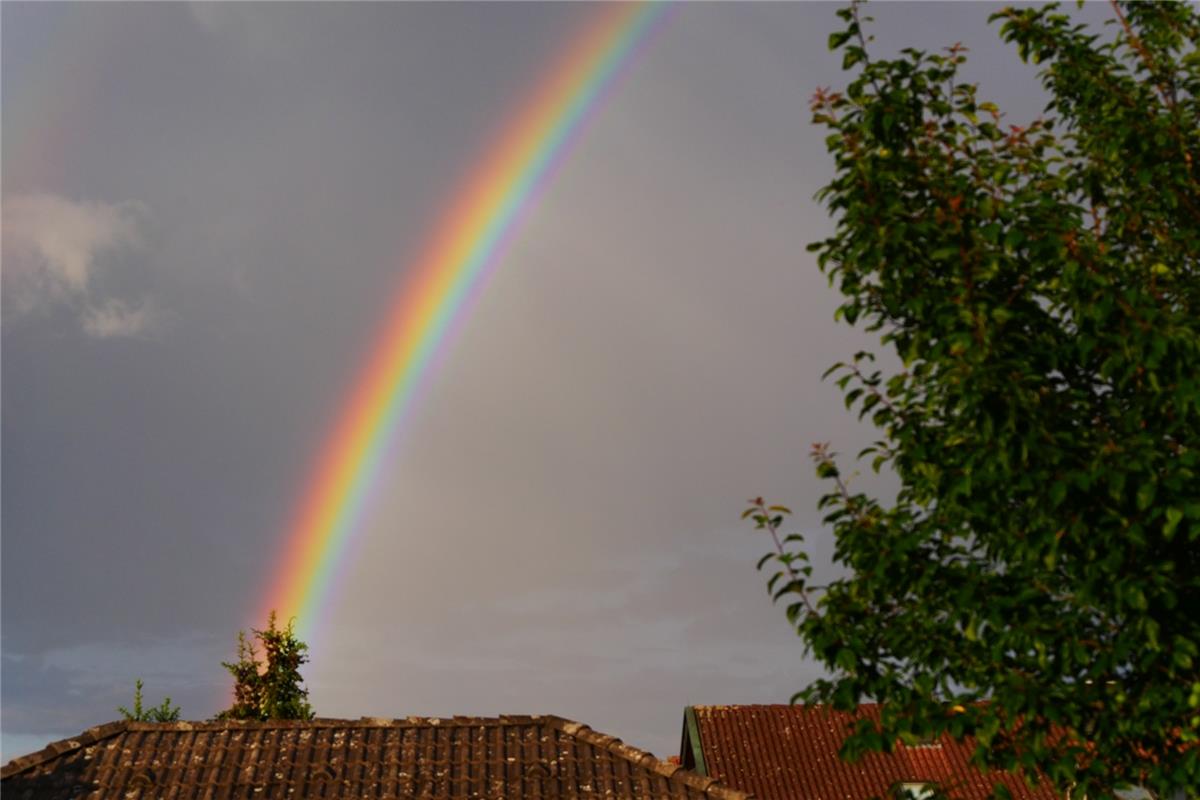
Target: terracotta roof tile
<point x="781" y="752"/>
<point x="505" y="757"/>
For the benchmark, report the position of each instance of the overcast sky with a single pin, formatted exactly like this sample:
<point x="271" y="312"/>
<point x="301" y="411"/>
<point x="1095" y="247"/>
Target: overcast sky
<point x="203" y="209"/>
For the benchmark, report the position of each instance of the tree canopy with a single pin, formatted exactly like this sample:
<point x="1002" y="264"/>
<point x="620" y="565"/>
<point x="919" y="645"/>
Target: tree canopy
<point x="1036" y="581"/>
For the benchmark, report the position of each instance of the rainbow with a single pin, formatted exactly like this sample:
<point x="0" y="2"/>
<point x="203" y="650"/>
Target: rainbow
<point x="454" y="262"/>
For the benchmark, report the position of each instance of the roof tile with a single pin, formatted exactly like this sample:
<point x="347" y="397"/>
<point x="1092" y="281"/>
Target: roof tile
<point x="791" y="752"/>
<point x="464" y="758"/>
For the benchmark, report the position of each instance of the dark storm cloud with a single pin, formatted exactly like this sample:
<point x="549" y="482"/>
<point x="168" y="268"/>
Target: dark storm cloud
<point x="556" y="530"/>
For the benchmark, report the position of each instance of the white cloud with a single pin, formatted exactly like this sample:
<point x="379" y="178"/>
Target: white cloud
<point x="258" y="27"/>
<point x="115" y="318"/>
<point x="51" y="245"/>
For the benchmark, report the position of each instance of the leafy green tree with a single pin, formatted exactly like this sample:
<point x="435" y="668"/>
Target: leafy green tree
<point x="163" y="712"/>
<point x="1036" y="581"/>
<point x="270" y="690"/>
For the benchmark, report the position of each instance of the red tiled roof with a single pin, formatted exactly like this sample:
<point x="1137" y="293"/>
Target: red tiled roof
<point x="782" y="752"/>
<point x="505" y="757"/>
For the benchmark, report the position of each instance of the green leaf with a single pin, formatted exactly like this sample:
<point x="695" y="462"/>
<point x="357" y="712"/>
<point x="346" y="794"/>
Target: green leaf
<point x="1174" y="517"/>
<point x="1145" y="495"/>
<point x="837" y="39"/>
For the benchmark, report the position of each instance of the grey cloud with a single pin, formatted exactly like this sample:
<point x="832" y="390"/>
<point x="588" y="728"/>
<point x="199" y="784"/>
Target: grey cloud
<point x="53" y="250"/>
<point x="256" y="27"/>
<point x="115" y="318"/>
<point x="62" y="691"/>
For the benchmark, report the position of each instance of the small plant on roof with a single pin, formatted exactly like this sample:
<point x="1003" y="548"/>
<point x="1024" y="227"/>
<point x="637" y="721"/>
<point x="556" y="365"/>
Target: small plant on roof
<point x="164" y="712"/>
<point x="271" y="690"/>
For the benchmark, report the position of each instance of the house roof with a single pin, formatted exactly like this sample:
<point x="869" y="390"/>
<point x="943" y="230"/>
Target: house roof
<point x="783" y="751"/>
<point x="463" y="757"/>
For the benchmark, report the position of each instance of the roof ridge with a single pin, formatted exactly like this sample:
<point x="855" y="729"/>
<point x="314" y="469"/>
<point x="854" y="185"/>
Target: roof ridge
<point x="710" y="786"/>
<point x="89" y="737"/>
<point x="108" y="729"/>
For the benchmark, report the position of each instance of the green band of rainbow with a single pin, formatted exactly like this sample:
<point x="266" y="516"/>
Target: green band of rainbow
<point x="455" y="260"/>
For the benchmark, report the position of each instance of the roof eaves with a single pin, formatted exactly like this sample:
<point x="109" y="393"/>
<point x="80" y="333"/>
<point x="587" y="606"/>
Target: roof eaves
<point x="55" y="749"/>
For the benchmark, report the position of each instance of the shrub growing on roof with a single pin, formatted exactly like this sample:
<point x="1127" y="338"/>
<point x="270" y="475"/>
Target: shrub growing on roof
<point x="270" y="690"/>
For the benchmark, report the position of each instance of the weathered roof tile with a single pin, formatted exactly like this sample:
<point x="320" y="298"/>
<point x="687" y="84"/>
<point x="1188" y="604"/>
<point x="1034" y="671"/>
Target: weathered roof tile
<point x="464" y="758"/>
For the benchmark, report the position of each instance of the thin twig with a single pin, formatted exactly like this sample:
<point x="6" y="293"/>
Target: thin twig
<point x="765" y="519"/>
